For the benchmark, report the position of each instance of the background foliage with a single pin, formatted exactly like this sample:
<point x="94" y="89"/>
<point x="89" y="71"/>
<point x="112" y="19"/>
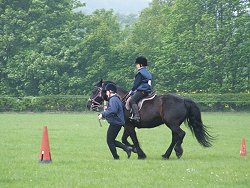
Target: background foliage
<point x="47" y="48"/>
<point x="52" y="103"/>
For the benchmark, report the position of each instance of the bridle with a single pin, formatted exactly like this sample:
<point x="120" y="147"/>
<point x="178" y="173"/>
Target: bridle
<point x="94" y="103"/>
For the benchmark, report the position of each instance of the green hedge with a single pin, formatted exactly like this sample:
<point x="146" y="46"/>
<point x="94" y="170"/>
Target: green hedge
<point x="221" y="102"/>
<point x="206" y="102"/>
<point x="43" y="103"/>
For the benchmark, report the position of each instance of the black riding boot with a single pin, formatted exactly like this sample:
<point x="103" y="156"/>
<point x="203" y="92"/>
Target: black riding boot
<point x="135" y="111"/>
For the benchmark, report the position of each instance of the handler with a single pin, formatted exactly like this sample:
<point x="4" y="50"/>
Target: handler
<point x="114" y="114"/>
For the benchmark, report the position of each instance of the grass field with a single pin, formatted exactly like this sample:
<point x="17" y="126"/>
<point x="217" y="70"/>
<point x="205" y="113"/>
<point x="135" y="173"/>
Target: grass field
<point x="81" y="157"/>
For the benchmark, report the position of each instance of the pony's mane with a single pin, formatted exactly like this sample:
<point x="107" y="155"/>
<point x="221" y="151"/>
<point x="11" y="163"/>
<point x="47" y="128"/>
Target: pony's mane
<point x="105" y="82"/>
<point x="108" y="82"/>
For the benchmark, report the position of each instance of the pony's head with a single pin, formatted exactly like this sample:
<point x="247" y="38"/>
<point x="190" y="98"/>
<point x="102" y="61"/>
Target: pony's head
<point x="98" y="95"/>
<point x="96" y="100"/>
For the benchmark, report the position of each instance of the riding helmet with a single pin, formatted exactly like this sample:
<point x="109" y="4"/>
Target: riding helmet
<point x="141" y="60"/>
<point x="111" y="87"/>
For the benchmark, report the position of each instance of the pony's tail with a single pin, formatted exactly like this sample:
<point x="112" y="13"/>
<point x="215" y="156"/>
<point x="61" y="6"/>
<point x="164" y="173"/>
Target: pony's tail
<point x="195" y="124"/>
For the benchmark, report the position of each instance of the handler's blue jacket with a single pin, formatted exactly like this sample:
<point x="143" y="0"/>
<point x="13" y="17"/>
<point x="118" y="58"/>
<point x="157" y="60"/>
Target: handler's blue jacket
<point x="142" y="81"/>
<point x="114" y="113"/>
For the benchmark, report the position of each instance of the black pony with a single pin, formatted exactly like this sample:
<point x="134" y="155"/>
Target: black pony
<point x="169" y="109"/>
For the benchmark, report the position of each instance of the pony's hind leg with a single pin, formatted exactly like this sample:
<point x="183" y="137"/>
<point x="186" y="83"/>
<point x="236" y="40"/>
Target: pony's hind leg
<point x="178" y="148"/>
<point x="177" y="138"/>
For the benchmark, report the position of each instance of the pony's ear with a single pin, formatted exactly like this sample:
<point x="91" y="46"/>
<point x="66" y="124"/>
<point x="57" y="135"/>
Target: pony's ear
<point x="98" y="84"/>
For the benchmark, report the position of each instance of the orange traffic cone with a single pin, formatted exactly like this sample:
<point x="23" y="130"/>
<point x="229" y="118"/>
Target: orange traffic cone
<point x="45" y="156"/>
<point x="243" y="151"/>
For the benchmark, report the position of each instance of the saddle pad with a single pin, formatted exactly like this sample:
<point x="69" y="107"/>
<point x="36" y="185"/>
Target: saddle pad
<point x="140" y="103"/>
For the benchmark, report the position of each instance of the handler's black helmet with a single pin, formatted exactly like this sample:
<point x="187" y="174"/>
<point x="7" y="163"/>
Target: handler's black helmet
<point x="111" y="87"/>
<point x="141" y="60"/>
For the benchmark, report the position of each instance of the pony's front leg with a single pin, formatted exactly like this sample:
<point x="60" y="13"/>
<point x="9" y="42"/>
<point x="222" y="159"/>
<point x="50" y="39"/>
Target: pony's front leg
<point x="132" y="134"/>
<point x="125" y="138"/>
<point x="126" y="142"/>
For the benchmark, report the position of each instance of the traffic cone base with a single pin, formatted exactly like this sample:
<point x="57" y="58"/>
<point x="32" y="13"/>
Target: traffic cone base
<point x="243" y="151"/>
<point x="42" y="158"/>
<point x="45" y="155"/>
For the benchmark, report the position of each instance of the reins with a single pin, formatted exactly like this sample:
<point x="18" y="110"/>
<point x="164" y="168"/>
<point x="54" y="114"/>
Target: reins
<point x="125" y="97"/>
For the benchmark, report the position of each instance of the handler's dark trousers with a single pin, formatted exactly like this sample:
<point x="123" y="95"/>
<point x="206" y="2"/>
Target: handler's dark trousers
<point x="133" y="103"/>
<point x="112" y="133"/>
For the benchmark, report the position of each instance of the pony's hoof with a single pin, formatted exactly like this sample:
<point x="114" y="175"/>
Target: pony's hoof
<point x="164" y="157"/>
<point x="179" y="156"/>
<point x="178" y="152"/>
<point x="142" y="157"/>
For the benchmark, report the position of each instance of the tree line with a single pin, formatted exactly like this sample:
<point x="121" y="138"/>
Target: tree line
<point x="47" y="48"/>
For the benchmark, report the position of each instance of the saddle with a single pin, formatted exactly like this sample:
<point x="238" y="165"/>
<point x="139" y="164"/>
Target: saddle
<point x="140" y="103"/>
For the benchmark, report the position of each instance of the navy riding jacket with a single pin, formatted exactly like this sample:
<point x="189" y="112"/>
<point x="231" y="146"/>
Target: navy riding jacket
<point x="114" y="113"/>
<point x="142" y="81"/>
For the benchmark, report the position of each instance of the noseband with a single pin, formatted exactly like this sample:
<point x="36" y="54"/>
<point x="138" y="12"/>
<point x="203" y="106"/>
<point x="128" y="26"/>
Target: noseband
<point x="94" y="103"/>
